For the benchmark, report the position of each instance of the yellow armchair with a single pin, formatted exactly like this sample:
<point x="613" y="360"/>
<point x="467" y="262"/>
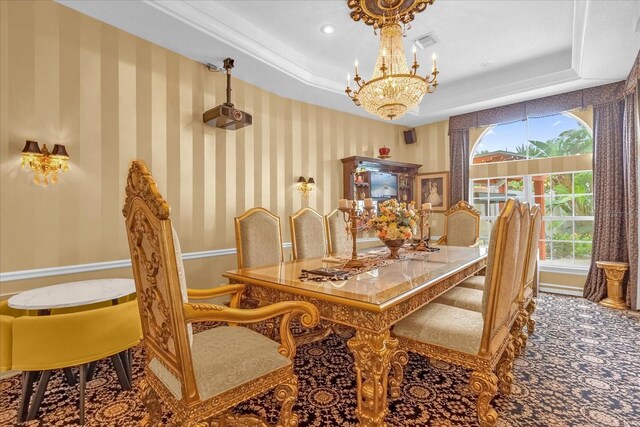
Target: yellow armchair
<point x="7" y="316"/>
<point x="45" y="343"/>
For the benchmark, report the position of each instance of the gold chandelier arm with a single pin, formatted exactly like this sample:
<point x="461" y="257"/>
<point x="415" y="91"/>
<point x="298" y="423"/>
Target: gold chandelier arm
<point x="431" y="88"/>
<point x="432" y="78"/>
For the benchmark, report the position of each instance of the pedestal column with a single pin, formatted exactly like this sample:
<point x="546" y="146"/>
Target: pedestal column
<point x="614" y="272"/>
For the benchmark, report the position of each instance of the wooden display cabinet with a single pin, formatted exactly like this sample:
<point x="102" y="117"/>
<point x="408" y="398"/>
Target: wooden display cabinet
<point x="357" y="185"/>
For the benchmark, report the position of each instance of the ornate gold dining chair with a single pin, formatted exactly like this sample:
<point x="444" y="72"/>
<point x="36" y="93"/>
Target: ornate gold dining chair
<point x="468" y="293"/>
<point x="480" y="342"/>
<point x="307" y="234"/>
<point x="200" y="377"/>
<point x="472" y="298"/>
<point x="526" y="300"/>
<point x="461" y="226"/>
<point x="338" y="240"/>
<point x="258" y="238"/>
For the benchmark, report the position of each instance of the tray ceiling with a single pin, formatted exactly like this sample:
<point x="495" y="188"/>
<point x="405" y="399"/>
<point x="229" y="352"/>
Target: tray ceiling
<point x="533" y="48"/>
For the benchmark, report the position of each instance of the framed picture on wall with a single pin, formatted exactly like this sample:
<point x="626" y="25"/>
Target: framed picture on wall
<point x="433" y="188"/>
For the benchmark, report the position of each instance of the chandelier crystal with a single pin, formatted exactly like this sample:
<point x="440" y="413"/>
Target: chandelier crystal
<point x="393" y="88"/>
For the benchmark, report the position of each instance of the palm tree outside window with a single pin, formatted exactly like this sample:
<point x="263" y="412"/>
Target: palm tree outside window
<point x="564" y="194"/>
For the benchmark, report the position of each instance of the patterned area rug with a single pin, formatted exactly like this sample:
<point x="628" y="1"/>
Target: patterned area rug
<point x="581" y="368"/>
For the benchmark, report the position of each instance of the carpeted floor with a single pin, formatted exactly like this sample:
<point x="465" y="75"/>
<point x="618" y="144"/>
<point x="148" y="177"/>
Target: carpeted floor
<point x="581" y="368"/>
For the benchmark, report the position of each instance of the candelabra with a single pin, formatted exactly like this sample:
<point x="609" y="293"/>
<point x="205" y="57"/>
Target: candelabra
<point x="356" y="220"/>
<point x="424" y="215"/>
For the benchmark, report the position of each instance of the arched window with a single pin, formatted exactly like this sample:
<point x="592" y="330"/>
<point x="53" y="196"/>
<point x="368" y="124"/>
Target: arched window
<point x="537" y="137"/>
<point x="564" y="192"/>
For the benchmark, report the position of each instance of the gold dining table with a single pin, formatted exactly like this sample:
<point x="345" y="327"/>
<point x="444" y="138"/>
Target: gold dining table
<point x="371" y="302"/>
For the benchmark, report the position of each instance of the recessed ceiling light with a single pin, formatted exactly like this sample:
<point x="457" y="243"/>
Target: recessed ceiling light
<point x="328" y="29"/>
<point x="487" y="64"/>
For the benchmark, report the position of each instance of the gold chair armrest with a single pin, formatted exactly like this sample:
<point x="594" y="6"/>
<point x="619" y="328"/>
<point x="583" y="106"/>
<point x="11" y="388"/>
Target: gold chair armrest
<point x="309" y="317"/>
<point x="442" y="240"/>
<point x="236" y="290"/>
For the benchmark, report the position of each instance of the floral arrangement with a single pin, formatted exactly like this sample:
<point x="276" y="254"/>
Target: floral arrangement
<point x="395" y="220"/>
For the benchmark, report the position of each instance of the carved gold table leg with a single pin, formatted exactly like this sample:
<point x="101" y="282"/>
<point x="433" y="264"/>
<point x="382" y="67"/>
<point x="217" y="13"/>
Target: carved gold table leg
<point x="614" y="272"/>
<point x="373" y="353"/>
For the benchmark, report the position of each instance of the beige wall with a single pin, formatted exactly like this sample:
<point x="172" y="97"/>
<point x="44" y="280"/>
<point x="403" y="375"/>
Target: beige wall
<point x="111" y="97"/>
<point x="432" y="151"/>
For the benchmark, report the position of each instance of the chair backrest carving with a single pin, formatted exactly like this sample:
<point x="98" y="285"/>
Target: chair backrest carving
<point x="307" y="234"/>
<point x="258" y="238"/>
<point x="462" y="225"/>
<point x="155" y="272"/>
<point x="338" y="240"/>
<point x="500" y="278"/>
<point x="535" y="225"/>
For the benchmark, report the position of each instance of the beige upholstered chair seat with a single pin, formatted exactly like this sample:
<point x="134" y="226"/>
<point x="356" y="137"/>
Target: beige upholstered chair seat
<point x="473" y="282"/>
<point x="223" y="358"/>
<point x="444" y="326"/>
<point x="469" y="299"/>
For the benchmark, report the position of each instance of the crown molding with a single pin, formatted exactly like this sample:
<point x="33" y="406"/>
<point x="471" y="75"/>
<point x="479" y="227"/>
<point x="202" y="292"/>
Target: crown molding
<point x="580" y="14"/>
<point x="206" y="31"/>
<point x="222" y="25"/>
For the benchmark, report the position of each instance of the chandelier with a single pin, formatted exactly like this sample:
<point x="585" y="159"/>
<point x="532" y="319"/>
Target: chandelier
<point x="394" y="88"/>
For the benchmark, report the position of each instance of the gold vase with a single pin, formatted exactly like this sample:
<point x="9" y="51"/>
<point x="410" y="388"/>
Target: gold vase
<point x="394" y="247"/>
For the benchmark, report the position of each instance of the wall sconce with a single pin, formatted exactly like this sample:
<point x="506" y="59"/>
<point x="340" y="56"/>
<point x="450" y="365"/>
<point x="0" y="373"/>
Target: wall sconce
<point x="305" y="186"/>
<point x="45" y="165"/>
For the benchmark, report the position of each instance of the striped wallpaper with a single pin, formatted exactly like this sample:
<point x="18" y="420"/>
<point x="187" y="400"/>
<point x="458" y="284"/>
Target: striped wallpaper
<point x="111" y="97"/>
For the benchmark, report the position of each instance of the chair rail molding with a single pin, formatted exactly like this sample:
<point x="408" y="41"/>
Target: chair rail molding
<point x="36" y="273"/>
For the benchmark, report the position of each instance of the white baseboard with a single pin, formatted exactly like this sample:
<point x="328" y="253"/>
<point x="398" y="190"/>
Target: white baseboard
<point x="553" y="288"/>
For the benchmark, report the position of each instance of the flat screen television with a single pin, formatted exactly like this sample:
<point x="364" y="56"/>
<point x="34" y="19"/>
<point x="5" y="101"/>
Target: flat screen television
<point x="384" y="185"/>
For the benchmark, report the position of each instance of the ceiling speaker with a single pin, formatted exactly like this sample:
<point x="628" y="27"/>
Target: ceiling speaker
<point x="410" y="136"/>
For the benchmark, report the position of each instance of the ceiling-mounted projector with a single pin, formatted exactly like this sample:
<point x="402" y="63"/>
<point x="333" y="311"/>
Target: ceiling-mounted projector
<point x="226" y="116"/>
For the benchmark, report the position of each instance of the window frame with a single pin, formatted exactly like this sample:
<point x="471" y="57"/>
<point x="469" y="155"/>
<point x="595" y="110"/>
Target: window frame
<point x="529" y="196"/>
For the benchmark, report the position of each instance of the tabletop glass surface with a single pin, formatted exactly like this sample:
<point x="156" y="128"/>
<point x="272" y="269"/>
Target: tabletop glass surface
<point x="376" y="286"/>
<point x="72" y="294"/>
